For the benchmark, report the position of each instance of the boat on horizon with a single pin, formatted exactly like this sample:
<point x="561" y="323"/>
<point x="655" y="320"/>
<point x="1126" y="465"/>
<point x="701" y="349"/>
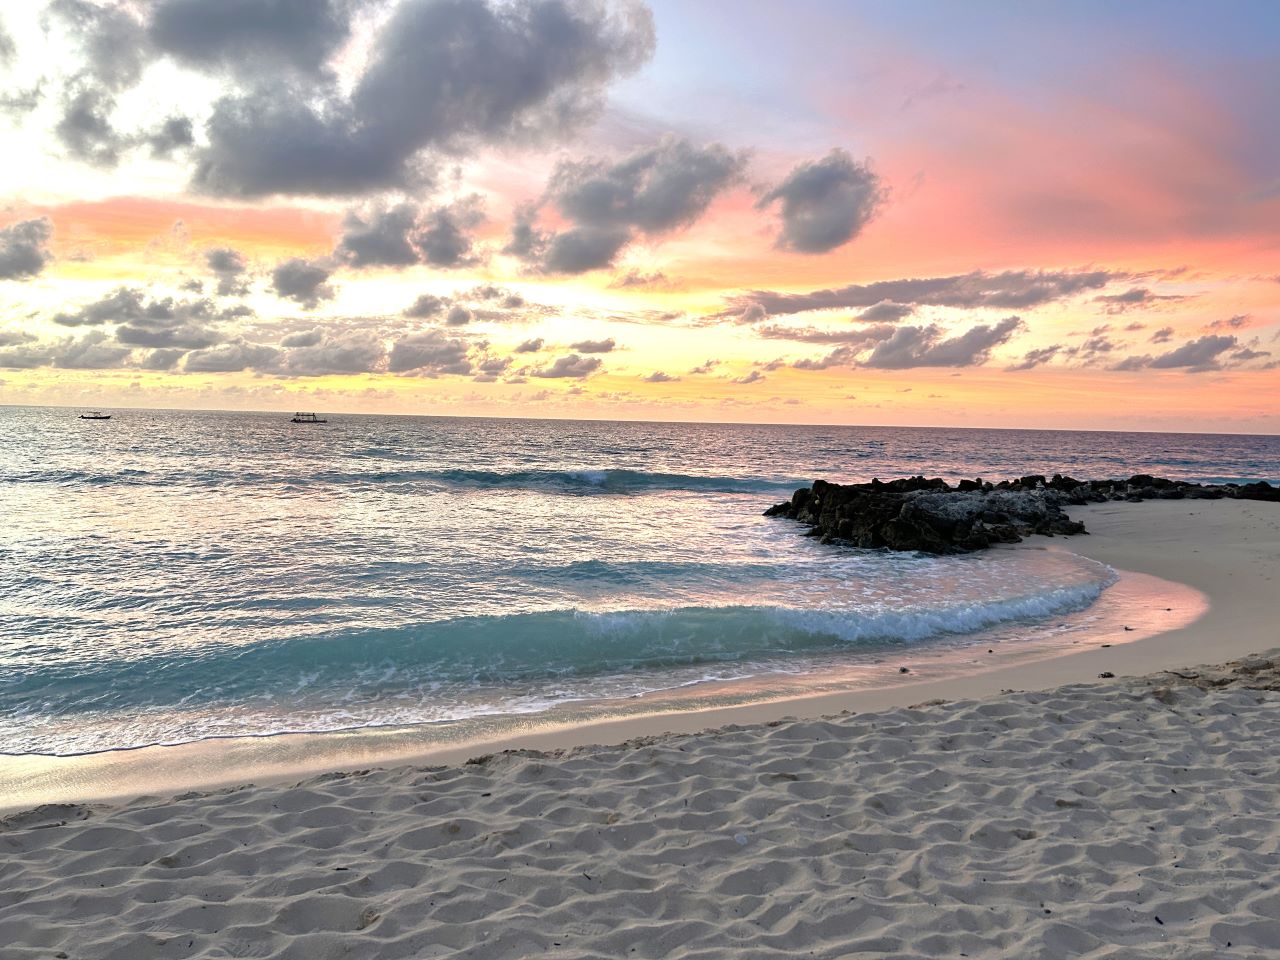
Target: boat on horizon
<point x="306" y="418"/>
<point x="95" y="415"/>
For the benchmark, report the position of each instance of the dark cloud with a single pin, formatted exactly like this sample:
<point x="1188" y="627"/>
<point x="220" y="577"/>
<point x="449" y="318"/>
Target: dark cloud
<point x="571" y="366"/>
<point x="886" y="311"/>
<point x="825" y="203"/>
<point x="530" y="346"/>
<point x="382" y="237"/>
<point x="1132" y="298"/>
<point x="1163" y="335"/>
<point x="638" y="278"/>
<point x="526" y="241"/>
<point x="755" y="376"/>
<point x="11" y="338"/>
<point x="1194" y="356"/>
<point x="1238" y="322"/>
<point x="852" y="343"/>
<point x="595" y="346"/>
<point x="85" y="128"/>
<point x="486" y="292"/>
<point x="112" y="41"/>
<point x="483" y="302"/>
<point x="899" y="348"/>
<point x="706" y="367"/>
<point x="94" y="351"/>
<point x="25" y="356"/>
<point x="249" y="37"/>
<point x="229" y="267"/>
<point x="430" y="354"/>
<point x="910" y="347"/>
<point x="845" y="356"/>
<point x="174" y="134"/>
<point x="654" y="191"/>
<point x="120" y="306"/>
<point x="1134" y="327"/>
<point x="232" y="358"/>
<point x="650" y="193"/>
<point x="488" y="369"/>
<point x="442" y="75"/>
<point x="583" y="248"/>
<point x="491" y="293"/>
<point x="352" y="353"/>
<point x="857" y="336"/>
<point x="1096" y="345"/>
<point x="404" y="235"/>
<point x="302" y="338"/>
<point x="24" y="248"/>
<point x="1200" y="354"/>
<point x="427" y="305"/>
<point x="114" y="52"/>
<point x="1012" y="290"/>
<point x="184" y="336"/>
<point x="150" y="322"/>
<point x="303" y="281"/>
<point x="444" y="237"/>
<point x="1036" y="357"/>
<point x="163" y="359"/>
<point x="1245" y="354"/>
<point x="659" y="377"/>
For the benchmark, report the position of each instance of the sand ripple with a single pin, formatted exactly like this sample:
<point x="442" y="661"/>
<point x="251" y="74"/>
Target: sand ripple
<point x="1114" y="820"/>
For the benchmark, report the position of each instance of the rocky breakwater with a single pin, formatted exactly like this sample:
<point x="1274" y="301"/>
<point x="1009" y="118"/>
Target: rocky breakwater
<point x="930" y="515"/>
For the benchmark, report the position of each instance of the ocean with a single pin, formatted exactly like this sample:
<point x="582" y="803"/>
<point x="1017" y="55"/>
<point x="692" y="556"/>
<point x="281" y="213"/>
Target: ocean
<point x="172" y="576"/>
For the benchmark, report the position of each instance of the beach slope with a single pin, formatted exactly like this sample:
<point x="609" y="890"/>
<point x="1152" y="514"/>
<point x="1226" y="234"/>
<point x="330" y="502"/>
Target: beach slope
<point x="1122" y="819"/>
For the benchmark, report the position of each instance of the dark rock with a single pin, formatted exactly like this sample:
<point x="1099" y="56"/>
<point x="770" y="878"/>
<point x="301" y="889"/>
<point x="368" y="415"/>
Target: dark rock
<point x="1259" y="491"/>
<point x="919" y="513"/>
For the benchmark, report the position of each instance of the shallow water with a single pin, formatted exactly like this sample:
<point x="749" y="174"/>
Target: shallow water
<point x="171" y="576"/>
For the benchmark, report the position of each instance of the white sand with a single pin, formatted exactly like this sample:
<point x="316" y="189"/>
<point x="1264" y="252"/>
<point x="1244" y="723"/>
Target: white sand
<point x="1109" y="820"/>
<point x="1049" y="824"/>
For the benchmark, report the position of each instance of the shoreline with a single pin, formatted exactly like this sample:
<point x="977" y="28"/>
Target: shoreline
<point x="1224" y="549"/>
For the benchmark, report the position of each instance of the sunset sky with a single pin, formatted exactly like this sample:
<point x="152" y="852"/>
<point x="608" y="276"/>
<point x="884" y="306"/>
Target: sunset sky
<point x="977" y="214"/>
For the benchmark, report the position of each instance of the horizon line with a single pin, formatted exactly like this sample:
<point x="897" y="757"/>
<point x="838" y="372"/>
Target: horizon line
<point x="703" y="423"/>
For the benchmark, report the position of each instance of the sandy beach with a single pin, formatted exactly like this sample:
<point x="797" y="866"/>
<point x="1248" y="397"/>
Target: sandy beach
<point x="1126" y="817"/>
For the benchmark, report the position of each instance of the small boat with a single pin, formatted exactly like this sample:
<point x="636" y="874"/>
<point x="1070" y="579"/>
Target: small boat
<point x="95" y="416"/>
<point x="306" y="418"/>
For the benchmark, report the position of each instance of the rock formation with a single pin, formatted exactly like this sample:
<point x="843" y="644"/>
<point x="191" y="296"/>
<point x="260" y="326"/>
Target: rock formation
<point x="915" y="513"/>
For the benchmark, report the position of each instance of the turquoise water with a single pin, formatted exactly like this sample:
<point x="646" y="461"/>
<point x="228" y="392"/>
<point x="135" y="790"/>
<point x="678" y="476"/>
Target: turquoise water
<point x="171" y="576"/>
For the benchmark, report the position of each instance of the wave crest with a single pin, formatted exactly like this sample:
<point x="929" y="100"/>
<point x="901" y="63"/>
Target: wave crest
<point x="583" y="481"/>
<point x="484" y="650"/>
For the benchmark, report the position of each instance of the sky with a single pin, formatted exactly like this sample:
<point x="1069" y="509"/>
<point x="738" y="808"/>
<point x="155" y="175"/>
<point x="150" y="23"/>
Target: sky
<point x="1059" y="215"/>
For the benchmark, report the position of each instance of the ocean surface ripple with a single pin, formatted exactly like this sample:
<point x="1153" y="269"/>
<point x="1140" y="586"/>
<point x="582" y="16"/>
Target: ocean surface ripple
<point x="169" y="576"/>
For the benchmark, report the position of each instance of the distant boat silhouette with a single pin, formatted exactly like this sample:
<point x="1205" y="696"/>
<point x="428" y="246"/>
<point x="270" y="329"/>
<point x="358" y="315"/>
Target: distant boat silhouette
<point x="95" y="416"/>
<point x="306" y="418"/>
